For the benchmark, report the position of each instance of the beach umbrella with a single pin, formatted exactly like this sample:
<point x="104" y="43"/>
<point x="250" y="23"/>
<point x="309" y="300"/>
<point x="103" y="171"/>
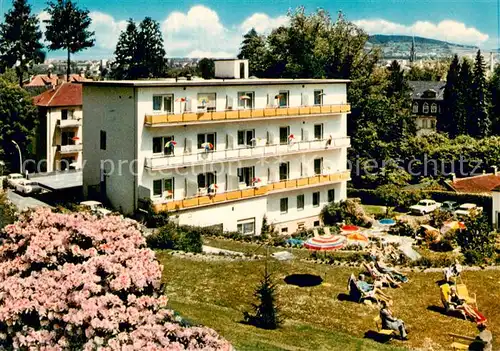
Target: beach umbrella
<point x="325" y="243"/>
<point x="170" y="143"/>
<point x="348" y="228"/>
<point x="452" y="225"/>
<point x="386" y="223"/>
<point x="356" y="237"/>
<point x="291" y="138"/>
<point x="207" y="146"/>
<point x="213" y="187"/>
<point x="75" y="138"/>
<point x="245" y="98"/>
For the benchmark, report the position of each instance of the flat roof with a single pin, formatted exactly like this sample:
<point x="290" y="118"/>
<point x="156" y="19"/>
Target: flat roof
<point x="59" y="180"/>
<point x="171" y="82"/>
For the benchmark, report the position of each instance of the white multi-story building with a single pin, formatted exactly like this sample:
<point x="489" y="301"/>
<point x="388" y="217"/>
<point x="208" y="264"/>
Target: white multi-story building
<point x="59" y="135"/>
<point x="219" y="152"/>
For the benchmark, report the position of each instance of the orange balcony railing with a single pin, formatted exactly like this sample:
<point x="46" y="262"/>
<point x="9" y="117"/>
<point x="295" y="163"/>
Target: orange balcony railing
<point x="233" y="195"/>
<point x="194" y="117"/>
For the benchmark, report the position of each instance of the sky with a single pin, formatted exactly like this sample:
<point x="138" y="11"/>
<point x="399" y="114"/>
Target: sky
<point x="197" y="28"/>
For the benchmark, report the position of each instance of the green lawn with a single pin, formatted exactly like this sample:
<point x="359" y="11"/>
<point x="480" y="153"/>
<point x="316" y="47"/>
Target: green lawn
<point x="216" y="293"/>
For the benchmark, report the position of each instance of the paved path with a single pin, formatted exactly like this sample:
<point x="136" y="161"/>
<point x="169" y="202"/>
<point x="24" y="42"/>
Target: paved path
<point x="24" y="202"/>
<point x="216" y="251"/>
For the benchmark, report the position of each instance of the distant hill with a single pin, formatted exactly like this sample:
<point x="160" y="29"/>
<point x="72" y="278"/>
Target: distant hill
<point x="398" y="47"/>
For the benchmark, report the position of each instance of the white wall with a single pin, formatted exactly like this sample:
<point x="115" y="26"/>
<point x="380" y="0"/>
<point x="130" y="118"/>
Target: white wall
<point x="496" y="209"/>
<point x="230" y="68"/>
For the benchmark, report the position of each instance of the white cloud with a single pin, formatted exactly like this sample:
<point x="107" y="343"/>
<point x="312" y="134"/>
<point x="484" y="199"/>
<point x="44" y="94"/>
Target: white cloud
<point x="197" y="19"/>
<point x="447" y="30"/>
<point x="106" y="29"/>
<point x="263" y="23"/>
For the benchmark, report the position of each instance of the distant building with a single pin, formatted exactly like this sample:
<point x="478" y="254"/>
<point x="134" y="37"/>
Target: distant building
<point x="496" y="207"/>
<point x="427" y="101"/>
<point x="59" y="137"/>
<point x="479" y="184"/>
<point x="50" y="80"/>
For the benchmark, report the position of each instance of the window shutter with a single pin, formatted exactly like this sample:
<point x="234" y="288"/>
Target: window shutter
<point x="305" y="135"/>
<point x="230" y="141"/>
<point x="188" y="145"/>
<point x="229" y="102"/>
<point x="270" y="138"/>
<point x="305" y="100"/>
<point x="189" y="103"/>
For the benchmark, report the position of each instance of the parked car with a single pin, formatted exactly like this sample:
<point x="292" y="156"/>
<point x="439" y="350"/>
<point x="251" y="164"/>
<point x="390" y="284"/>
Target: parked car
<point x="95" y="207"/>
<point x="425" y="206"/>
<point x="465" y="210"/>
<point x="449" y="206"/>
<point x="13" y="179"/>
<point x="25" y="187"/>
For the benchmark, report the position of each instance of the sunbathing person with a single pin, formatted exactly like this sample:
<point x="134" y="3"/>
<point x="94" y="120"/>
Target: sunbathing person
<point x="384" y="268"/>
<point x="461" y="305"/>
<point x="391" y="322"/>
<point x="371" y="289"/>
<point x="382" y="277"/>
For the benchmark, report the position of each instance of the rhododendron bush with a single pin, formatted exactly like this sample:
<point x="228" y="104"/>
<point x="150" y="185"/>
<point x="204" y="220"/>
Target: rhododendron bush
<point x="73" y="281"/>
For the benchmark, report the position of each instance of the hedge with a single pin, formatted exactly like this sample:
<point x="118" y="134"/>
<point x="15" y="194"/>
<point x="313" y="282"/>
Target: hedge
<point x="368" y="197"/>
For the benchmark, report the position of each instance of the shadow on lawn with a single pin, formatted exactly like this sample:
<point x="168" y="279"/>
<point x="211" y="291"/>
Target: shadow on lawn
<point x="376" y="336"/>
<point x="303" y="280"/>
<point x="442" y="310"/>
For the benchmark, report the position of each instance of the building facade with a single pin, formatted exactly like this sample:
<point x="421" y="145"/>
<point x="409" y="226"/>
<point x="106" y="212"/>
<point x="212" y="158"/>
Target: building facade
<point x="495" y="216"/>
<point x="427" y="101"/>
<point x="219" y="152"/>
<point x="59" y="136"/>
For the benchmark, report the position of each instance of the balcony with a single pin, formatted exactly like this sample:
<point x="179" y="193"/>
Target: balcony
<point x="219" y="156"/>
<point x="160" y="120"/>
<point x="69" y="123"/>
<point x="69" y="149"/>
<point x="235" y="195"/>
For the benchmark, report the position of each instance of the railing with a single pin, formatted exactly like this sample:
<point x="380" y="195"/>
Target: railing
<point x="233" y="195"/>
<point x="193" y="117"/>
<point x="69" y="123"/>
<point x="70" y="148"/>
<point x="202" y="157"/>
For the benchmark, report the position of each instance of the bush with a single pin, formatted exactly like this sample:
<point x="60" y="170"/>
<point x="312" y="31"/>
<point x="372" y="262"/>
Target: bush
<point x="347" y="211"/>
<point x="173" y="237"/>
<point x="8" y="214"/>
<point x="477" y="240"/>
<point x="86" y="284"/>
<point x="265" y="313"/>
<point x="403" y="228"/>
<point x="439" y="217"/>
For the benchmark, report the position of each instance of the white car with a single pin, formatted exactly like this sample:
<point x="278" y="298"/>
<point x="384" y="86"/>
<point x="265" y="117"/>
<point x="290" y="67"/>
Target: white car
<point x="95" y="207"/>
<point x="425" y="206"/>
<point x="465" y="210"/>
<point x="25" y="186"/>
<point x="13" y="179"/>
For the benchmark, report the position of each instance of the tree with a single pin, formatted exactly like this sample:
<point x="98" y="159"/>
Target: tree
<point x="207" y="68"/>
<point x="253" y="48"/>
<point x="266" y="313"/>
<point x="20" y="39"/>
<point x="480" y="124"/>
<point x="126" y="53"/>
<point x="477" y="241"/>
<point x="398" y="85"/>
<point x="494" y="109"/>
<point x="464" y="108"/>
<point x="68" y="29"/>
<point x="18" y="120"/>
<point x="447" y="123"/>
<point x="139" y="51"/>
<point x="91" y="284"/>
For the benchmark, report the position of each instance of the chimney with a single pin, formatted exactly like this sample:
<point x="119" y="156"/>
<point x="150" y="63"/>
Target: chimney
<point x="495" y="170"/>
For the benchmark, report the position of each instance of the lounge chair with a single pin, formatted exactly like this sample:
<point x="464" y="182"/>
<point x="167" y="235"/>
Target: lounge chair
<point x="327" y="231"/>
<point x="463" y="293"/>
<point x="315" y="232"/>
<point x="356" y="293"/>
<point x="458" y="346"/>
<point x="376" y="275"/>
<point x="445" y="297"/>
<point x="388" y="333"/>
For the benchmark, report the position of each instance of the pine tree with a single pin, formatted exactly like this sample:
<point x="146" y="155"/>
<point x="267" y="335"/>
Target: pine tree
<point x="447" y="122"/>
<point x="126" y="53"/>
<point x="20" y="39"/>
<point x="464" y="110"/>
<point x="68" y="29"/>
<point x="266" y="313"/>
<point x="253" y="48"/>
<point x="151" y="51"/>
<point x="398" y="85"/>
<point x="494" y="110"/>
<point x="479" y="120"/>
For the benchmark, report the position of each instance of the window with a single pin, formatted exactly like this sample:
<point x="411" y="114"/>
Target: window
<point x="64" y="114"/>
<point x="433" y="108"/>
<point x="283" y="98"/>
<point x="425" y="108"/>
<point x="331" y="195"/>
<point x="284" y="170"/>
<point x="205" y="180"/>
<point x="301" y="225"/>
<point x="246" y="137"/>
<point x="246" y="226"/>
<point x="68" y="138"/>
<point x="433" y="124"/>
<point x="246" y="99"/>
<point x="284" y="230"/>
<point x="318" y="166"/>
<point x="207" y="101"/>
<point x="207" y="141"/>
<point x="163" y="188"/>
<point x="163" y="103"/>
<point x="103" y="140"/>
<point x="284" y="205"/>
<point x="284" y="134"/>
<point x="162" y="146"/>
<point x="415" y="107"/>
<point x="316" y="199"/>
<point x="300" y="202"/>
<point x="318" y="131"/>
<point x="246" y="175"/>
<point x="318" y="97"/>
<point x="316" y="224"/>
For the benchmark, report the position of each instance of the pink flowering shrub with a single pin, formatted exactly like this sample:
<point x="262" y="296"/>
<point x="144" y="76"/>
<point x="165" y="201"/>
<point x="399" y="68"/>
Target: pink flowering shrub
<point x="72" y="281"/>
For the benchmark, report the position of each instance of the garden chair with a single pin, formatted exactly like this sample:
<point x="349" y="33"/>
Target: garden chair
<point x="327" y="231"/>
<point x="355" y="292"/>
<point x="445" y="296"/>
<point x="464" y="293"/>
<point x="457" y="346"/>
<point x="387" y="333"/>
<point x="315" y="232"/>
